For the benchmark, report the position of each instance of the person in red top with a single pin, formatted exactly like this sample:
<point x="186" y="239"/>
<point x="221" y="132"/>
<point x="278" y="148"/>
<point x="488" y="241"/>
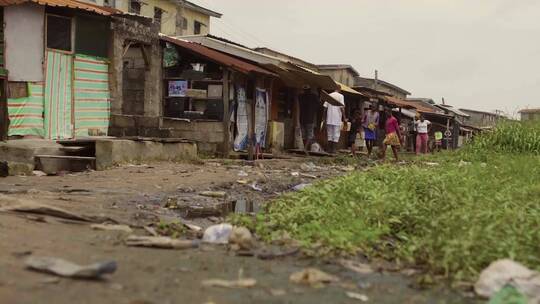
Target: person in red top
<point x="393" y="135"/>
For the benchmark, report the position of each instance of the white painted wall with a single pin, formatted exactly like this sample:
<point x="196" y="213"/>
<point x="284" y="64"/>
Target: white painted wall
<point x="23" y="33"/>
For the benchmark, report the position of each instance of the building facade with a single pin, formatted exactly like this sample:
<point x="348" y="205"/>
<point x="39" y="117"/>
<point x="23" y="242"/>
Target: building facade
<point x="175" y="18"/>
<point x="383" y="86"/>
<point x="530" y="114"/>
<point x="482" y="119"/>
<point x="343" y="73"/>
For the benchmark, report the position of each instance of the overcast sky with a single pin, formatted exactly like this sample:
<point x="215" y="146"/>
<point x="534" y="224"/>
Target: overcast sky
<point x="481" y="54"/>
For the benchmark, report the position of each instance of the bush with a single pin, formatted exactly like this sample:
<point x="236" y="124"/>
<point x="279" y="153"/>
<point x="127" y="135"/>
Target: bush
<point x="509" y="137"/>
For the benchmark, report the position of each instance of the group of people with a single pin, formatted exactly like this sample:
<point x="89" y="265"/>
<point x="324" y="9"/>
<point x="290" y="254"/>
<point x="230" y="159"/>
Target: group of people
<point x="335" y="119"/>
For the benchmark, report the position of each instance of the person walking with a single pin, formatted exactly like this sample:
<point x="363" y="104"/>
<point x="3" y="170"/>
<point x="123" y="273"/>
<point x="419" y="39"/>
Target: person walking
<point x="309" y="104"/>
<point x="422" y="129"/>
<point x="370" y="123"/>
<point x="393" y="135"/>
<point x="335" y="115"/>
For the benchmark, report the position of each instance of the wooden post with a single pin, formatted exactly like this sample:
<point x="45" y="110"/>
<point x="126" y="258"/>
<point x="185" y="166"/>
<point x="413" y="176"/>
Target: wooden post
<point x="226" y="116"/>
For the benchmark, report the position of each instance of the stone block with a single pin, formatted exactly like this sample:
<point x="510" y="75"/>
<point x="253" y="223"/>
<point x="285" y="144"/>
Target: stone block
<point x="123" y="121"/>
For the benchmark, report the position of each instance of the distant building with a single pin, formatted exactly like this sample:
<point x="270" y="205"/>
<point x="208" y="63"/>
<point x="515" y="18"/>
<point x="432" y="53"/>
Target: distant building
<point x="286" y="57"/>
<point x="449" y="110"/>
<point x="482" y="119"/>
<point x="343" y="73"/>
<point x="530" y="114"/>
<point x="425" y="103"/>
<point x="382" y="86"/>
<point x="176" y="18"/>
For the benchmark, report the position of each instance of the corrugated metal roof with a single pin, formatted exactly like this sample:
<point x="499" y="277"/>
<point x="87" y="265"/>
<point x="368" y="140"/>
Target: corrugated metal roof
<point x="101" y="10"/>
<point x="218" y="57"/>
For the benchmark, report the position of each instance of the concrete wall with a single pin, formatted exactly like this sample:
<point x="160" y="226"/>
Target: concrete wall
<point x="209" y="135"/>
<point x="24" y="29"/>
<point x="193" y="16"/>
<point x="530" y="116"/>
<point x="481" y="119"/>
<point x="117" y="151"/>
<point x="342" y="75"/>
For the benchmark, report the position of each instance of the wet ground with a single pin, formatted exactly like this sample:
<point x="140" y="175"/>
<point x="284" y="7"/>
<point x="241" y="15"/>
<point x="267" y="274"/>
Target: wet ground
<point x="147" y="194"/>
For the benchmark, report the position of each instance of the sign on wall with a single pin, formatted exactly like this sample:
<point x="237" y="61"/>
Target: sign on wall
<point x="178" y="88"/>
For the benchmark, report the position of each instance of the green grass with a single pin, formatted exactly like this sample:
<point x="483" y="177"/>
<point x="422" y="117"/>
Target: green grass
<point x="451" y="220"/>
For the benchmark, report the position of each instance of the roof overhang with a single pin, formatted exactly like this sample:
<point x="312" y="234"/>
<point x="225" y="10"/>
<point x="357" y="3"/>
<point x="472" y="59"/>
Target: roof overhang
<point x="73" y="4"/>
<point x="194" y="7"/>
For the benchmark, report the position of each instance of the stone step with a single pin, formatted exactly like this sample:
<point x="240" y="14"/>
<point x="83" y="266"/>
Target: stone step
<point x="53" y="164"/>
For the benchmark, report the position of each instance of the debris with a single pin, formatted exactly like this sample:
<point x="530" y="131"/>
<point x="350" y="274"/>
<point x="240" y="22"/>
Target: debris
<point x="313" y="277"/>
<point x="241" y="238"/>
<point x="242" y="173"/>
<point x="357" y="296"/>
<point x="39" y="173"/>
<point x="300" y="187"/>
<point x="243" y="181"/>
<point x="218" y="234"/>
<point x="431" y="164"/>
<point x="193" y="227"/>
<point x="277" y="292"/>
<point x="216" y="194"/>
<point x="255" y="187"/>
<point x="68" y="269"/>
<point x="122" y="228"/>
<point x="31" y="207"/>
<point x="162" y="242"/>
<point x="214" y="219"/>
<point x="347" y="168"/>
<point x="507" y="272"/>
<point x="308" y="175"/>
<point x="151" y="230"/>
<point x="356" y="266"/>
<point x="240" y="283"/>
<point x="309" y="167"/>
<point x="295" y="174"/>
<point x="463" y="163"/>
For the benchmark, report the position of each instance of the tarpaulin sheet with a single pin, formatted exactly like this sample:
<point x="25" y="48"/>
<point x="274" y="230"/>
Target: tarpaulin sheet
<point x="92" y="95"/>
<point x="26" y="113"/>
<point x="58" y="96"/>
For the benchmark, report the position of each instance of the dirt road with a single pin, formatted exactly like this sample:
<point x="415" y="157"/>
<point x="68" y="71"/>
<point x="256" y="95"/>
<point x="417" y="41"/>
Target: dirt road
<point x="141" y="195"/>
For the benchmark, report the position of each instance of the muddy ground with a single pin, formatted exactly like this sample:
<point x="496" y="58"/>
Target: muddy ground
<point x="147" y="194"/>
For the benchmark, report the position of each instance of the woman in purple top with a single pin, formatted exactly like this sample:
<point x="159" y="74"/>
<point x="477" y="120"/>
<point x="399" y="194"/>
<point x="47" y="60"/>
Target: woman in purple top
<point x="393" y="135"/>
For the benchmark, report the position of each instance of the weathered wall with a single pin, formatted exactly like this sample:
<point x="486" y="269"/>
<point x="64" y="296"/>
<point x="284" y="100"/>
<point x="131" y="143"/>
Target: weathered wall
<point x="168" y="19"/>
<point x="341" y="75"/>
<point x="24" y="41"/>
<point x="193" y="16"/>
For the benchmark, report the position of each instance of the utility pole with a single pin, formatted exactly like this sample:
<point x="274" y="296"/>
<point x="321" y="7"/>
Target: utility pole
<point x="443" y="101"/>
<point x="376" y="84"/>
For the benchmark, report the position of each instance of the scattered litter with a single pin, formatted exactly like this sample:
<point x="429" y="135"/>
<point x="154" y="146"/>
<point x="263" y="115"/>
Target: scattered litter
<point x="241" y="238"/>
<point x="218" y="234"/>
<point x="295" y="174"/>
<point x="239" y="283"/>
<point x="313" y="277"/>
<point x="356" y="266"/>
<point x="463" y="163"/>
<point x="30" y="207"/>
<point x="214" y="219"/>
<point x="242" y="173"/>
<point x="300" y="187"/>
<point x="216" y="194"/>
<point x="162" y="242"/>
<point x="507" y="272"/>
<point x="255" y="187"/>
<point x="123" y="228"/>
<point x="68" y="269"/>
<point x="243" y="181"/>
<point x="39" y="173"/>
<point x="277" y="292"/>
<point x="431" y="164"/>
<point x="315" y="147"/>
<point x="347" y="168"/>
<point x="151" y="230"/>
<point x="357" y="296"/>
<point x="309" y="167"/>
<point x="193" y="227"/>
<point x="308" y="175"/>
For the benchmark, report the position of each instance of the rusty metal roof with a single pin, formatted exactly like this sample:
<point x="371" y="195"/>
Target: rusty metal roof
<point x="74" y="4"/>
<point x="218" y="57"/>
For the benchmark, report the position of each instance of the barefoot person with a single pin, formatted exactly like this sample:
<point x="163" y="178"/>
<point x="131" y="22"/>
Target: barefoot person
<point x="335" y="115"/>
<point x="393" y="135"/>
<point x="370" y="123"/>
<point x="356" y="124"/>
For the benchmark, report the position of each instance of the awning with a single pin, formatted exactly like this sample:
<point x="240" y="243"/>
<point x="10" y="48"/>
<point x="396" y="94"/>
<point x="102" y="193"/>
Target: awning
<point x="218" y="57"/>
<point x="101" y="10"/>
<point x="312" y="78"/>
<point x="326" y="97"/>
<point x="399" y="102"/>
<point x="347" y="89"/>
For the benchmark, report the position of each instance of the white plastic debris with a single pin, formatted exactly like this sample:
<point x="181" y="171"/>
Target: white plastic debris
<point x="507" y="272"/>
<point x="218" y="234"/>
<point x="300" y="186"/>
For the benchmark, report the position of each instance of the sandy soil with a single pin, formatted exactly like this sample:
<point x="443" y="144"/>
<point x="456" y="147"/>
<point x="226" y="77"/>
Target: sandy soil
<point x="137" y="195"/>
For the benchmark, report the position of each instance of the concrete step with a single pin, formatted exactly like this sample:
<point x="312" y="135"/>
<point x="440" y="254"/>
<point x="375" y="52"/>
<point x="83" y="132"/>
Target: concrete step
<point x="53" y="164"/>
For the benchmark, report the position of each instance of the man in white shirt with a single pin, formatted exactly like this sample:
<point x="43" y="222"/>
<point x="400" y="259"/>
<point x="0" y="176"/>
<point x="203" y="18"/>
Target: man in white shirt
<point x="335" y="115"/>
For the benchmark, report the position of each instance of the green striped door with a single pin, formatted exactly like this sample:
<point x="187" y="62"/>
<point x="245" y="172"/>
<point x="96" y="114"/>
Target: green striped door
<point x="58" y="96"/>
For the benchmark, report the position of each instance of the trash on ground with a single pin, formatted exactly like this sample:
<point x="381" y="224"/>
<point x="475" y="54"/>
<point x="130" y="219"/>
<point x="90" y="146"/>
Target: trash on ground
<point x="217" y="234"/>
<point x="39" y="173"/>
<point x="357" y="296"/>
<point x="313" y="277"/>
<point x="356" y="266"/>
<point x="241" y="238"/>
<point x="347" y="168"/>
<point x="255" y="187"/>
<point x="216" y="194"/>
<point x="243" y="181"/>
<point x="162" y="242"/>
<point x="507" y="272"/>
<point x="431" y="164"/>
<point x="463" y="163"/>
<point x="151" y="230"/>
<point x="122" y="228"/>
<point x="193" y="227"/>
<point x="240" y="283"/>
<point x="308" y="175"/>
<point x="300" y="187"/>
<point x="508" y="294"/>
<point x="242" y="174"/>
<point x="31" y="207"/>
<point x="68" y="269"/>
<point x="309" y="167"/>
<point x="295" y="174"/>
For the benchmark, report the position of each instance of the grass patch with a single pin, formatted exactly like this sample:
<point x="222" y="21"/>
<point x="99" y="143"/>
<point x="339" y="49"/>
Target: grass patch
<point x="452" y="220"/>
